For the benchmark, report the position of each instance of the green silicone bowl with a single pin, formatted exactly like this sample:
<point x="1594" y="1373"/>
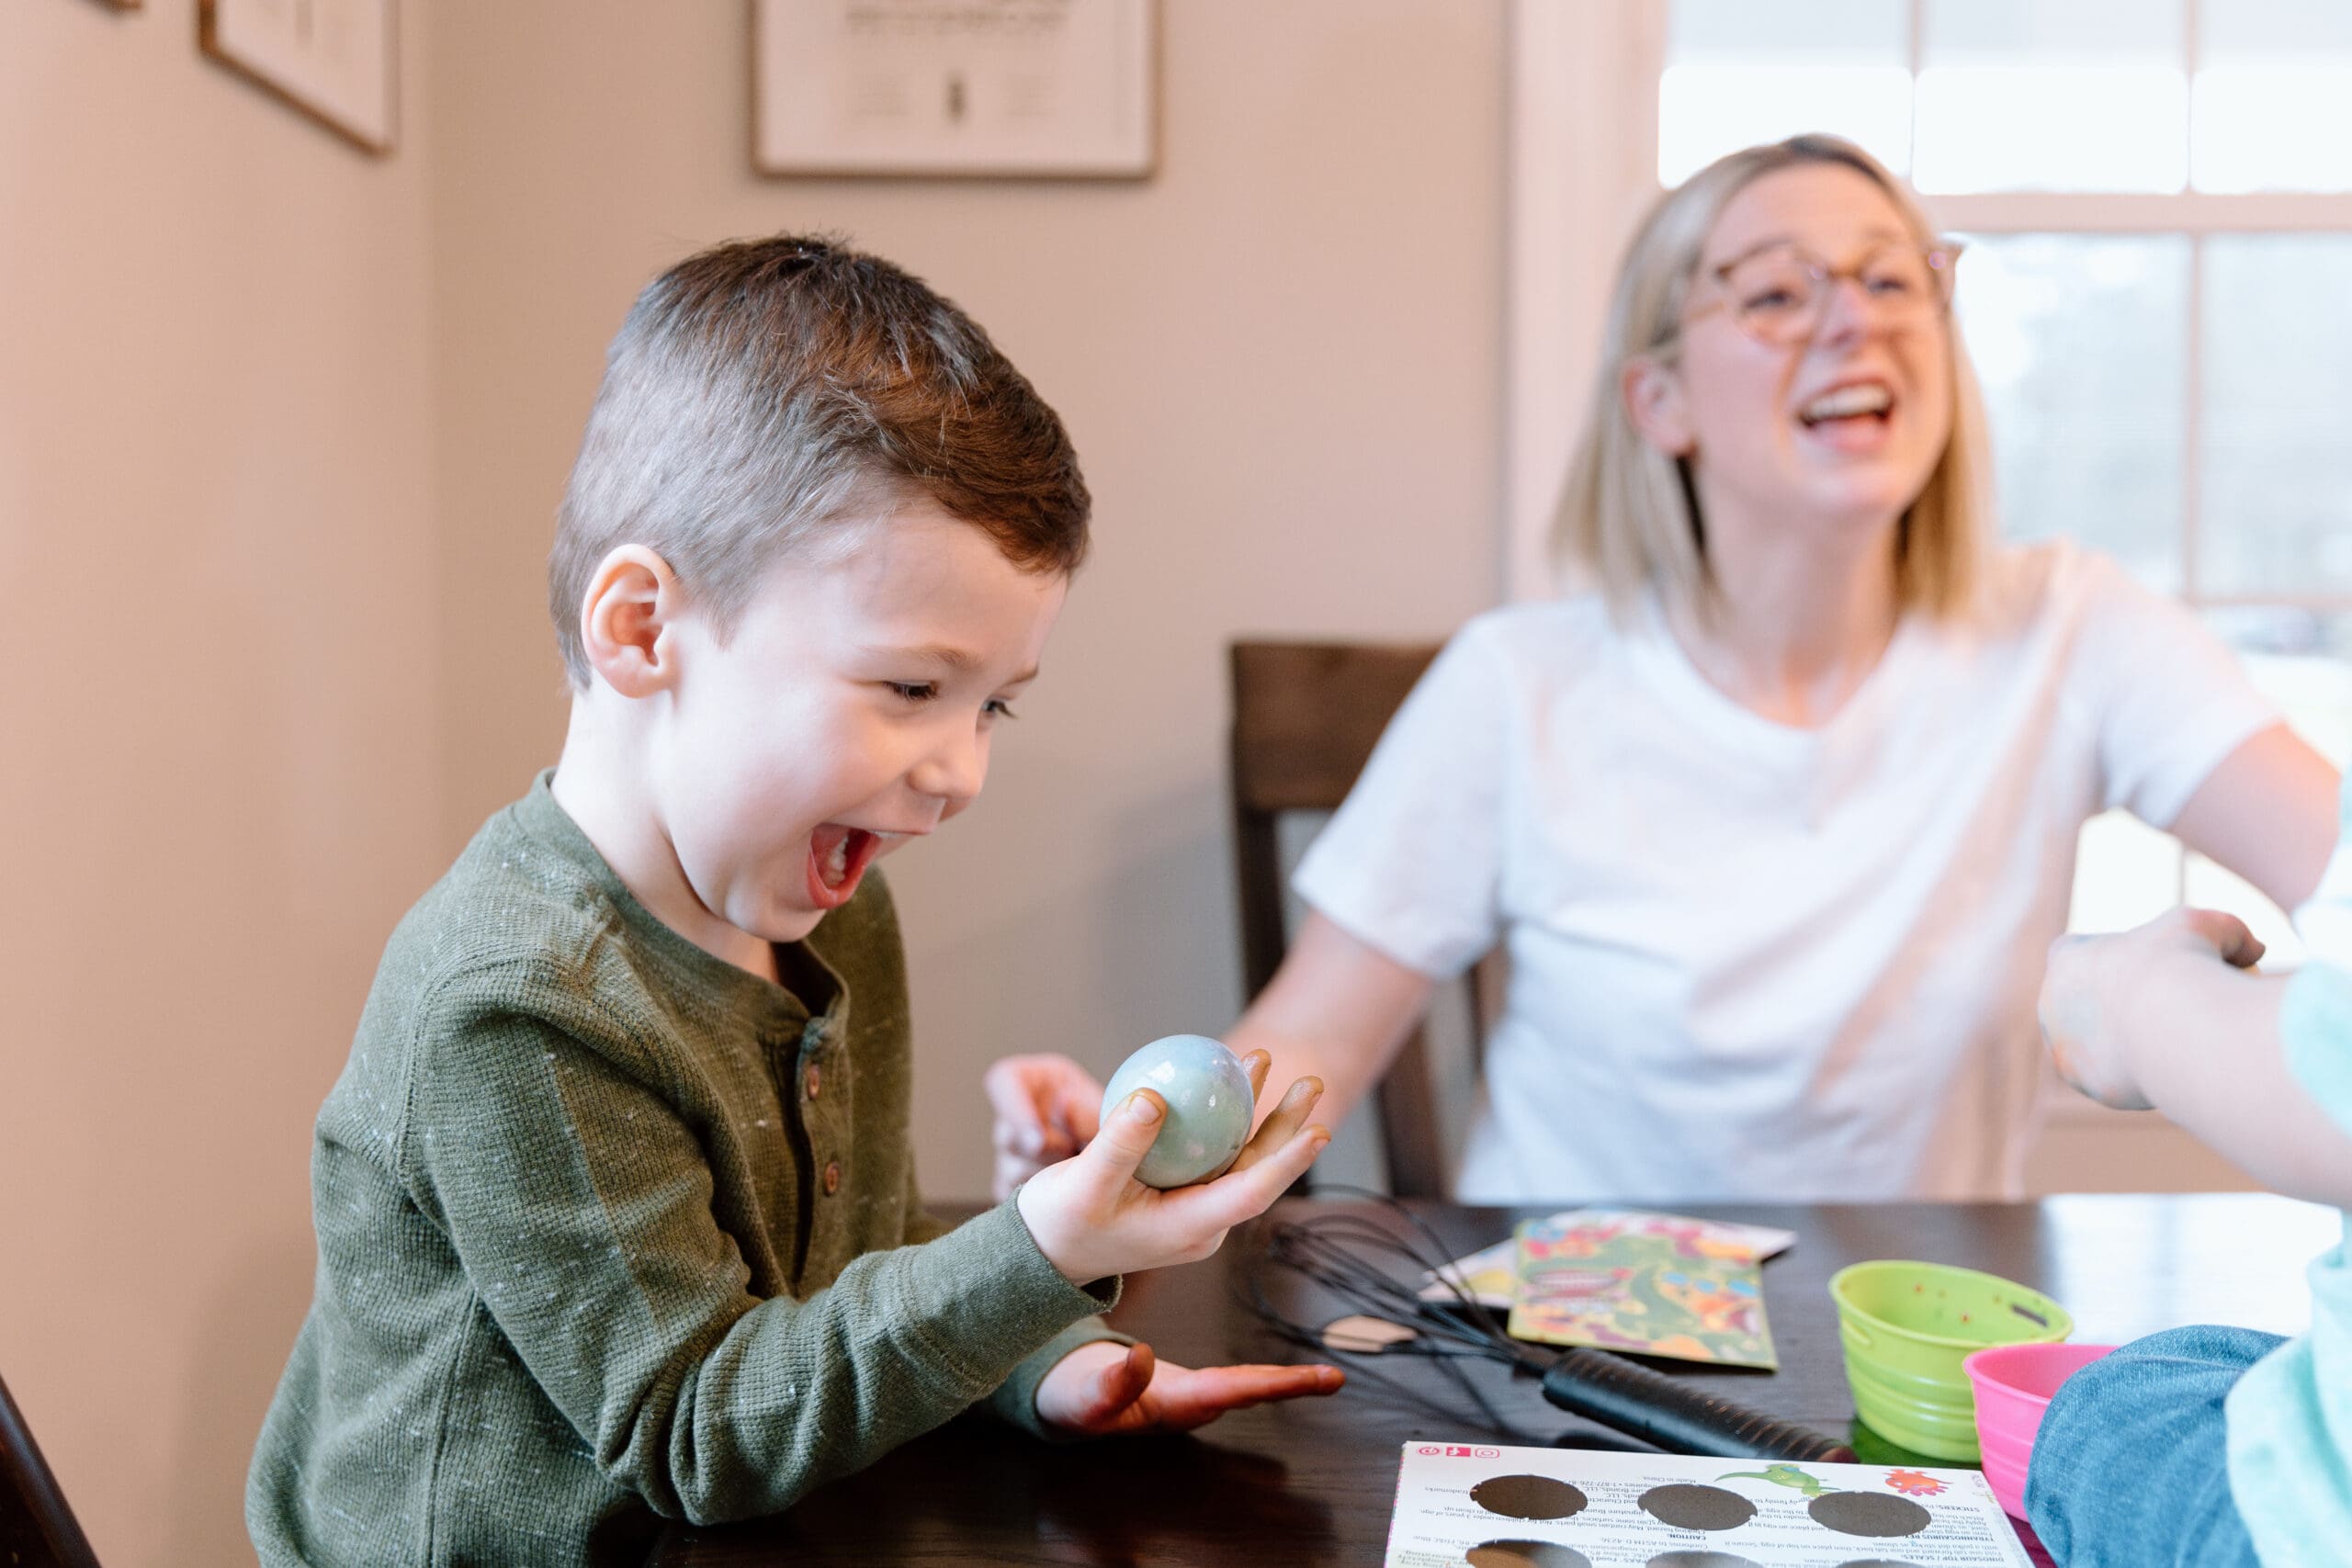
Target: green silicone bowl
<point x="1906" y="1327"/>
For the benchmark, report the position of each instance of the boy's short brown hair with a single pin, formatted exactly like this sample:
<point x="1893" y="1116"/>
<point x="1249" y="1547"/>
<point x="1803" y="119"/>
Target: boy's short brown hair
<point x="764" y="388"/>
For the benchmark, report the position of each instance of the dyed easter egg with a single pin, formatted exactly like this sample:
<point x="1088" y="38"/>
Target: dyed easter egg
<point x="1208" y="1107"/>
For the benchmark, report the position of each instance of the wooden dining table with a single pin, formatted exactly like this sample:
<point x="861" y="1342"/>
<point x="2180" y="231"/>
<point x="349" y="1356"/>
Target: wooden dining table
<point x="1313" y="1482"/>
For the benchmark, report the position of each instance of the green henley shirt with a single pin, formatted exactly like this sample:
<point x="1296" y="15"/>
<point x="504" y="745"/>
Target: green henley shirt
<point x="612" y="1231"/>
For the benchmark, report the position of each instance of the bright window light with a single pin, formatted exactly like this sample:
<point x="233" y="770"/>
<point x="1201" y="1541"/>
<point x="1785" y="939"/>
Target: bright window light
<point x="1741" y="72"/>
<point x="2272" y="105"/>
<point x="1985" y="128"/>
<point x="2053" y="94"/>
<point x="1705" y="111"/>
<point x="2272" y="127"/>
<point x="2081" y="345"/>
<point x="2274" y="507"/>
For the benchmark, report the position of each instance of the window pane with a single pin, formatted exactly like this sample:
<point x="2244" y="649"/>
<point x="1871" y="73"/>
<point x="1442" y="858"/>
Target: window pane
<point x="2274" y="503"/>
<point x="1740" y="72"/>
<point x="2302" y="660"/>
<point x="2272" y="106"/>
<point x="2081" y="342"/>
<point x="2053" y="94"/>
<point x="2126" y="873"/>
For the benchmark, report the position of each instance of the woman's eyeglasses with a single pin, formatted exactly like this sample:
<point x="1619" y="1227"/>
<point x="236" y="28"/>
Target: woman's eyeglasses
<point x="1776" y="295"/>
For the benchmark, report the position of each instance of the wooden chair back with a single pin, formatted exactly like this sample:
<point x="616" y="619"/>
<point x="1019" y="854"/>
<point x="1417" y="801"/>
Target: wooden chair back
<point x="1306" y="717"/>
<point x="37" y="1530"/>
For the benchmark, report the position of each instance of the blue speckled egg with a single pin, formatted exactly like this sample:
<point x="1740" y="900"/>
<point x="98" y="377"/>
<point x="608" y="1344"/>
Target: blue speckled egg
<point x="1208" y="1107"/>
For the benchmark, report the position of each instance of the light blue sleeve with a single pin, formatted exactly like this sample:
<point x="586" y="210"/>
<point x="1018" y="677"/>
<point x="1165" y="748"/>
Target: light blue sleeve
<point x="2290" y="1418"/>
<point x="2315" y="1031"/>
<point x="2315" y="1021"/>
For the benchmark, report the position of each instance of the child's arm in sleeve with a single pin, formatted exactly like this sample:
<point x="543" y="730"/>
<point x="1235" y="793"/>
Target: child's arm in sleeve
<point x="1015" y="1399"/>
<point x="2170" y="1016"/>
<point x="579" y="1201"/>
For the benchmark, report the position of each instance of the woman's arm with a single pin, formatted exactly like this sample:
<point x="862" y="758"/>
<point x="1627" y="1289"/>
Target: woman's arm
<point x="2267" y="812"/>
<point x="1337" y="1009"/>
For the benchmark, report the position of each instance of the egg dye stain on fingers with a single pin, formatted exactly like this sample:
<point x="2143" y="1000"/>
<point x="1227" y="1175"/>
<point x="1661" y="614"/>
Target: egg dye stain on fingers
<point x="1529" y="1497"/>
<point x="1525" y="1554"/>
<point x="1209" y="1106"/>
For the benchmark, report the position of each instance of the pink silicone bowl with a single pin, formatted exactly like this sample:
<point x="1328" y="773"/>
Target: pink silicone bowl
<point x="2014" y="1384"/>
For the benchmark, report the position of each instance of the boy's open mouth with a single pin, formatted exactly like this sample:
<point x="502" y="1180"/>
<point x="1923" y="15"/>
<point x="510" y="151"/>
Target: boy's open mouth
<point x="838" y="856"/>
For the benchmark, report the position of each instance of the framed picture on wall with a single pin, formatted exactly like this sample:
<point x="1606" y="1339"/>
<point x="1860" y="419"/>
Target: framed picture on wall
<point x="336" y="60"/>
<point x="985" y="88"/>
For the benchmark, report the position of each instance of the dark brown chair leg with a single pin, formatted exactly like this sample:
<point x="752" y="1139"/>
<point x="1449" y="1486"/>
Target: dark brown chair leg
<point x="37" y="1530"/>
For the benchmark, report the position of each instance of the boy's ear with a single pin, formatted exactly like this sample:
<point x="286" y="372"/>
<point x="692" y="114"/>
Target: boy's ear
<point x="629" y="621"/>
<point x="1653" y="394"/>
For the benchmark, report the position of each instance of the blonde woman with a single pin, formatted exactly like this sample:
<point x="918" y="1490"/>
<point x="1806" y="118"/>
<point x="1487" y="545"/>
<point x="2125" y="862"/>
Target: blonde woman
<point x="1777" y="820"/>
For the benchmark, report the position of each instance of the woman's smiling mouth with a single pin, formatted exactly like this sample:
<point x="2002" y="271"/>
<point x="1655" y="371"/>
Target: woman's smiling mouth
<point x="1852" y="416"/>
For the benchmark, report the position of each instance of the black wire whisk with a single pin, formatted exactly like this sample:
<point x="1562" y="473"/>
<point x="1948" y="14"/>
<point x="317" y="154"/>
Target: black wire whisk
<point x="1357" y="1260"/>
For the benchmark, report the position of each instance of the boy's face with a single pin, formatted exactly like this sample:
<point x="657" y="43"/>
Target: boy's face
<point x="850" y="710"/>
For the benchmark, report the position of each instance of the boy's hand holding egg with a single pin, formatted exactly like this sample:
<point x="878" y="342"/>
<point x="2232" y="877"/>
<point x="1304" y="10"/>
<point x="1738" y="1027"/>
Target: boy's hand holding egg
<point x="1209" y="1096"/>
<point x="1126" y="1202"/>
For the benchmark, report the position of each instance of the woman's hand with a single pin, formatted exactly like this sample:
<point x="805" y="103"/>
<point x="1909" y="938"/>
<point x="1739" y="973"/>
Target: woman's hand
<point x="2093" y="982"/>
<point x="1104" y="1387"/>
<point x="1046" y="1107"/>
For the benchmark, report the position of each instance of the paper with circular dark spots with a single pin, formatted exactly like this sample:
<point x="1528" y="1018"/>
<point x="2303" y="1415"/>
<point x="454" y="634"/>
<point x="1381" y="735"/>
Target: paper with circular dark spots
<point x="1526" y="1554"/>
<point x="1528" y="1497"/>
<point x="1693" y="1507"/>
<point x="1869" y="1513"/>
<point x="1702" y="1560"/>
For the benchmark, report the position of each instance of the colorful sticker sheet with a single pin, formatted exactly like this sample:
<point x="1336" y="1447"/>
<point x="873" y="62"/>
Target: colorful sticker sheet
<point x="1652" y="1284"/>
<point x="1515" y="1507"/>
<point x="1491" y="1275"/>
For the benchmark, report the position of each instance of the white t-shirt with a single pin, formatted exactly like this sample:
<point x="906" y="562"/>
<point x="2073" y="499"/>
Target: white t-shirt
<point x="1752" y="961"/>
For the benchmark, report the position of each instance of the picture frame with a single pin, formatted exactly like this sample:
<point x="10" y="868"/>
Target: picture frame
<point x="335" y="61"/>
<point x="991" y="89"/>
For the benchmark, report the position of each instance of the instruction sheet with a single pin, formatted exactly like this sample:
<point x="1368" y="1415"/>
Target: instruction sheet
<point x="1511" y="1508"/>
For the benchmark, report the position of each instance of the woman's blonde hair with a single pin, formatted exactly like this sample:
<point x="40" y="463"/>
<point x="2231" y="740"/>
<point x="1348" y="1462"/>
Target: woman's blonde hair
<point x="1629" y="515"/>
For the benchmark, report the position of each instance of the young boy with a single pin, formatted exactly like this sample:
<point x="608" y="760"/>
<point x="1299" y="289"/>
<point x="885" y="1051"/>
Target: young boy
<point x="616" y="1204"/>
<point x="2222" y="1448"/>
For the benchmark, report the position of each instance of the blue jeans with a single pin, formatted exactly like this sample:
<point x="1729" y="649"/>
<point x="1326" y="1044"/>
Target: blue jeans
<point x="2132" y="1469"/>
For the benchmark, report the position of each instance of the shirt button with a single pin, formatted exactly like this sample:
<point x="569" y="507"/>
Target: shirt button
<point x="812" y="1081"/>
<point x="833" y="1177"/>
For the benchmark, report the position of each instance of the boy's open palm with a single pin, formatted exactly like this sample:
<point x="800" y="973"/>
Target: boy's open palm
<point x="1092" y="1218"/>
<point x="1104" y="1387"/>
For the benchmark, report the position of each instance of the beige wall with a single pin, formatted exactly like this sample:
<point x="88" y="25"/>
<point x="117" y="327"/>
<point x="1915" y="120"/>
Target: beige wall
<point x="281" y="430"/>
<point x="1280" y="360"/>
<point x="223" y="748"/>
